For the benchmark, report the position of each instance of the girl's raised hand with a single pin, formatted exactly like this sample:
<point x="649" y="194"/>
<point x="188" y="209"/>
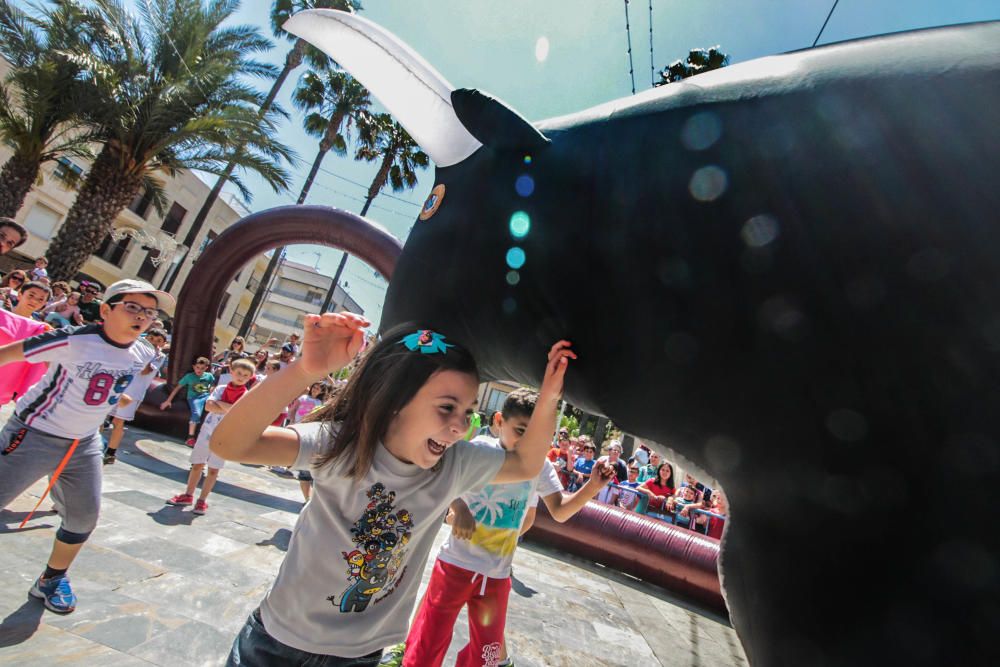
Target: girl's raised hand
<point x="555" y="369"/>
<point x="330" y="341"/>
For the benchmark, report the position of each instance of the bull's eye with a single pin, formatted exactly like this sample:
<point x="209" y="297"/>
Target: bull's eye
<point x="433" y="202"/>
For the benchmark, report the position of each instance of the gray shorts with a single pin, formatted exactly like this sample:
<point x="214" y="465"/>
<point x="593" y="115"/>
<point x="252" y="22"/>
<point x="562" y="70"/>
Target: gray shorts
<point x="27" y="455"/>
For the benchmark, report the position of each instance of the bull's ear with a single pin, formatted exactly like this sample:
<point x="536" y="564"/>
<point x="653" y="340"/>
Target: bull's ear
<point x="494" y="123"/>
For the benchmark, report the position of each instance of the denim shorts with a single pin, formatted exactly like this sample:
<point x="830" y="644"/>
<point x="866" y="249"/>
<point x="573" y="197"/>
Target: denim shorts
<point x="197" y="406"/>
<point x="253" y="647"/>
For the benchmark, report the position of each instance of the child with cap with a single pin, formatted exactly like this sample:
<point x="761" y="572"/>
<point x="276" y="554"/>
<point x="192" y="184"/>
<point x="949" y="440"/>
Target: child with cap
<point x="54" y="429"/>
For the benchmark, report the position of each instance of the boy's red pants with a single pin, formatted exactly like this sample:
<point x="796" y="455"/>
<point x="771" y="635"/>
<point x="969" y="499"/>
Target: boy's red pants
<point x="450" y="589"/>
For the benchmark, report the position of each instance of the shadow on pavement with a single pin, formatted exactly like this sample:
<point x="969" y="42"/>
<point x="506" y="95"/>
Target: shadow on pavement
<point x="145" y="461"/>
<point x="280" y="539"/>
<point x="21" y="623"/>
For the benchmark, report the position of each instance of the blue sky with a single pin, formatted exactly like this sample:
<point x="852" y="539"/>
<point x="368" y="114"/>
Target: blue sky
<point x="493" y="46"/>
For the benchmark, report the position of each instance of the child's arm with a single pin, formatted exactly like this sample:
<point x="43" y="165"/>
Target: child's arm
<point x="529" y="519"/>
<point x="330" y="341"/>
<point x="218" y="407"/>
<point x="562" y="507"/>
<point x="11" y="353"/>
<point x="525" y="462"/>
<point x="167" y="403"/>
<point x="463" y="524"/>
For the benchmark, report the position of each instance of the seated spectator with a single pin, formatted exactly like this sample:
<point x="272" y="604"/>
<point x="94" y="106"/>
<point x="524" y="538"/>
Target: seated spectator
<point x="260" y="357"/>
<point x="90" y="305"/>
<point x="64" y="312"/>
<point x="614" y="458"/>
<point x="31" y="298"/>
<point x="686" y="500"/>
<point x="642" y="455"/>
<point x="562" y="458"/>
<point x="39" y="272"/>
<point x="9" y="288"/>
<point x="632" y="480"/>
<point x="649" y="471"/>
<point x="583" y="465"/>
<point x="660" y="489"/>
<point x="704" y="492"/>
<point x="60" y="290"/>
<point x="624" y="498"/>
<point x="235" y="347"/>
<point x="719" y="506"/>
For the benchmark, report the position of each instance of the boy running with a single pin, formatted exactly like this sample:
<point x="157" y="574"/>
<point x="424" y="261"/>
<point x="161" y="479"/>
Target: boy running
<point x="474" y="565"/>
<point x="136" y="391"/>
<point x="57" y="420"/>
<point x="199" y="384"/>
<point x="219" y="402"/>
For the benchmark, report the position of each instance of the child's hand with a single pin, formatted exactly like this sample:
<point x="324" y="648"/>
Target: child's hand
<point x="463" y="524"/>
<point x="165" y="405"/>
<point x="555" y="370"/>
<point x="331" y="341"/>
<point x="602" y="473"/>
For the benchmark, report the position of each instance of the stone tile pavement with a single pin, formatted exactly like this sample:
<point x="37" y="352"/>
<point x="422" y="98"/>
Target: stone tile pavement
<point x="158" y="585"/>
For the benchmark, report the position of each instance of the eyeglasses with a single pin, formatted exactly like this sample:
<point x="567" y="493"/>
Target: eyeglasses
<point x="132" y="308"/>
<point x="17" y="278"/>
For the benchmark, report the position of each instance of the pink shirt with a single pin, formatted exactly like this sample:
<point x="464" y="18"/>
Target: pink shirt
<point x="17" y="378"/>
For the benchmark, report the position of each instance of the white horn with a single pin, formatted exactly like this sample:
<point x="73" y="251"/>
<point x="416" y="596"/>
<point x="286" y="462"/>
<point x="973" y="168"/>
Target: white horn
<point x="416" y="94"/>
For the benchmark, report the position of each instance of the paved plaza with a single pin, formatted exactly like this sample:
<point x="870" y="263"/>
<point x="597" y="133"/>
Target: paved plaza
<point x="158" y="585"/>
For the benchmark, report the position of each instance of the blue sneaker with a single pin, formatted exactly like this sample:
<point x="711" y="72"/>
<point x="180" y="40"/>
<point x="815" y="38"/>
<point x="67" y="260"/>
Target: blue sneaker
<point x="56" y="592"/>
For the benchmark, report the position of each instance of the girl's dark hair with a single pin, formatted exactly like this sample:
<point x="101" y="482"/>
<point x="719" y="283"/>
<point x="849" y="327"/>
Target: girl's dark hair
<point x="670" y="482"/>
<point x="386" y="379"/>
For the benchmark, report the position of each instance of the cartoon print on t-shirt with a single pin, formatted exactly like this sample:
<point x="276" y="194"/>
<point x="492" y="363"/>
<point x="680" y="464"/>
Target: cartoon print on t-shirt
<point x="380" y="536"/>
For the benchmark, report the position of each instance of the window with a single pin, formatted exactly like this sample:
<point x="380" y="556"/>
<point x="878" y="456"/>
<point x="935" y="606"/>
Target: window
<point x="174" y="218"/>
<point x="140" y="205"/>
<point x="148" y="269"/>
<point x="67" y="171"/>
<point x="495" y="400"/>
<point x="211" y="236"/>
<point x="254" y="282"/>
<point x="42" y="221"/>
<point x="222" y="306"/>
<point x="236" y="321"/>
<point x="112" y="251"/>
<point x="315" y="298"/>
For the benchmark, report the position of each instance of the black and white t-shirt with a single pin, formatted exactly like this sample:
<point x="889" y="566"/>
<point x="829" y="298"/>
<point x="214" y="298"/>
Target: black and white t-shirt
<point x="349" y="581"/>
<point x="88" y="373"/>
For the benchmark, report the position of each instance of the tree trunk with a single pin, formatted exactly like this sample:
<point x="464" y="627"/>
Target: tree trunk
<point x="292" y="60"/>
<point x="105" y="192"/>
<point x="378" y="182"/>
<point x="325" y="144"/>
<point x="16" y="179"/>
<point x="258" y="297"/>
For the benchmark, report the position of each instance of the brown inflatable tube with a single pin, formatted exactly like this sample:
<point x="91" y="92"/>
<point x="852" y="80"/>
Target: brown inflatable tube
<point x="677" y="559"/>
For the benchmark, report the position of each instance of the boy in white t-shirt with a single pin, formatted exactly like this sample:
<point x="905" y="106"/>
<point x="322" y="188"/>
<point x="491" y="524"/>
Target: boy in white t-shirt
<point x="219" y="401"/>
<point x="55" y="423"/>
<point x="474" y="564"/>
<point x="136" y="391"/>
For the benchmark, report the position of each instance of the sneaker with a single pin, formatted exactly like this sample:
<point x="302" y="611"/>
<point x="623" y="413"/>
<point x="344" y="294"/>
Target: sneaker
<point x="181" y="500"/>
<point x="200" y="507"/>
<point x="109" y="459"/>
<point x="189" y="442"/>
<point x="56" y="592"/>
<point x="393" y="656"/>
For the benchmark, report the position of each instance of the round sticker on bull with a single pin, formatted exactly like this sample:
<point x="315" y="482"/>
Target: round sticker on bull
<point x="433" y="202"/>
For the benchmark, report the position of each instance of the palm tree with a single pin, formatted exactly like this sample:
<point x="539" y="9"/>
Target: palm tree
<point x="381" y="138"/>
<point x="335" y="100"/>
<point x="40" y="96"/>
<point x="698" y="61"/>
<point x="165" y="93"/>
<point x="281" y="11"/>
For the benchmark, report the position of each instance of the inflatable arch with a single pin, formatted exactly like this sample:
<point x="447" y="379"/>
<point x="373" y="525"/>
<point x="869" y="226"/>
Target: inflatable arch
<point x="255" y="234"/>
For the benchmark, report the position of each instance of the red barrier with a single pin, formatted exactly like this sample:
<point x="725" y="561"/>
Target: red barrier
<point x="677" y="559"/>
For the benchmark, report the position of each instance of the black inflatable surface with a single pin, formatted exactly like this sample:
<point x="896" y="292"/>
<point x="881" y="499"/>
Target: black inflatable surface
<point x="788" y="273"/>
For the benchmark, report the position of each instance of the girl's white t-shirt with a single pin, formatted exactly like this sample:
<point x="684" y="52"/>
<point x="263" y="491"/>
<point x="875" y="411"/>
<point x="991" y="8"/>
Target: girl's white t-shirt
<point x="358" y="551"/>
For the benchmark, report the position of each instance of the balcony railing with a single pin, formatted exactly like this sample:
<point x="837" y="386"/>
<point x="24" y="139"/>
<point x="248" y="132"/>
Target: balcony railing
<point x="312" y="298"/>
<point x="282" y="320"/>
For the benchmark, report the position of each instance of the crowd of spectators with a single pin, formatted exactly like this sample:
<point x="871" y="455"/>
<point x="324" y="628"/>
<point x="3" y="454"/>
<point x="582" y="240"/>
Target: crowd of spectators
<point x="645" y="483"/>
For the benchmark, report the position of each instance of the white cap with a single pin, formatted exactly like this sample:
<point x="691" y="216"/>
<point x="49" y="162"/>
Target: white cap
<point x="163" y="300"/>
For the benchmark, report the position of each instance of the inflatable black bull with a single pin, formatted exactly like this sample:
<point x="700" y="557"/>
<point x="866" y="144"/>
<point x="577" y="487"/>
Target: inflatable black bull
<point x="787" y="271"/>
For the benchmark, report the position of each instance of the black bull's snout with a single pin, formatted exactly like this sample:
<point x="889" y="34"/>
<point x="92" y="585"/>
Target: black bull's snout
<point x="793" y="282"/>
